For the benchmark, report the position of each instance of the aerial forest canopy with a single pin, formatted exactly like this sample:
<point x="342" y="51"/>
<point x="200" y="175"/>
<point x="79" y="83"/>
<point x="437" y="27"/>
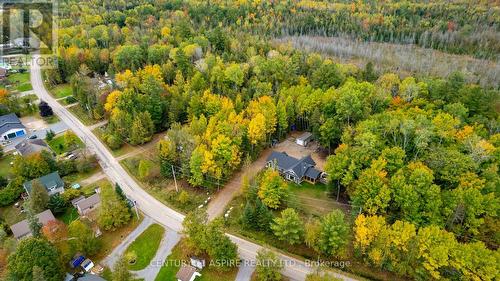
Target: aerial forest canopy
<point x="419" y="155"/>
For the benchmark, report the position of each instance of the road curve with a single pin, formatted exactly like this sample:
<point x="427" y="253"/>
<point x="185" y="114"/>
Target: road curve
<point x="147" y="203"/>
<point x="294" y="268"/>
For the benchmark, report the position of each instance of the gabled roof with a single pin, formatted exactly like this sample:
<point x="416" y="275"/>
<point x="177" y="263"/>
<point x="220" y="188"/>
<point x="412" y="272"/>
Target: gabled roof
<point x="9" y="122"/>
<point x="301" y="167"/>
<point x="22" y="228"/>
<point x="48" y="181"/>
<point x="88" y="202"/>
<point x="28" y="147"/>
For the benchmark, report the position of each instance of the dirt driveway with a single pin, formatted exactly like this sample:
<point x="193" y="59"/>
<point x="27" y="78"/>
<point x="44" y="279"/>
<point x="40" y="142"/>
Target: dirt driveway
<point x="293" y="149"/>
<point x="33" y="123"/>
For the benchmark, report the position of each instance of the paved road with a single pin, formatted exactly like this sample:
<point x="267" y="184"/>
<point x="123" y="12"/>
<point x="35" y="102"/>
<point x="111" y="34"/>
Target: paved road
<point x="115" y="172"/>
<point x="170" y="239"/>
<point x="117" y="252"/>
<point x="147" y="203"/>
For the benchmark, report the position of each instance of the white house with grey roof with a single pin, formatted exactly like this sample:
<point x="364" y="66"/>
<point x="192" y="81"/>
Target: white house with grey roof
<point x="11" y="127"/>
<point x="293" y="169"/>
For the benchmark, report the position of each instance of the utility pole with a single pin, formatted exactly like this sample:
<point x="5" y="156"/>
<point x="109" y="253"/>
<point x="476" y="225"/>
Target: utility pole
<point x="136" y="211"/>
<point x="175" y="180"/>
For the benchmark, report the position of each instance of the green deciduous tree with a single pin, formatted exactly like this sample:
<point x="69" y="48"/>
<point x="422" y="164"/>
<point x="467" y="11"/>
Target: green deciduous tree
<point x="39" y="197"/>
<point x="33" y="252"/>
<point x="268" y="266"/>
<point x="82" y="238"/>
<point x="334" y="234"/>
<point x="142" y="128"/>
<point x="272" y="189"/>
<point x="113" y="212"/>
<point x="120" y="270"/>
<point x="289" y="227"/>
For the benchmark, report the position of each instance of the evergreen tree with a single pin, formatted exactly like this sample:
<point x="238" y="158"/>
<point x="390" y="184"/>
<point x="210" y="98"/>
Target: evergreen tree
<point x="39" y="197"/>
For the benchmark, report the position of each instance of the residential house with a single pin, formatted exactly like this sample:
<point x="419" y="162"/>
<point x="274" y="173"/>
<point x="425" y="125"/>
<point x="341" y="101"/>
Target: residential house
<point x="85" y="205"/>
<point x="22" y="229"/>
<point x="11" y="127"/>
<point x="187" y="273"/>
<point x="304" y="139"/>
<point x="293" y="169"/>
<point x="28" y="147"/>
<point x="52" y="182"/>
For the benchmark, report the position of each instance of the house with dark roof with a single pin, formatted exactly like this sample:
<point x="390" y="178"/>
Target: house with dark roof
<point x="293" y="169"/>
<point x="52" y="183"/>
<point x="22" y="229"/>
<point x="11" y="127"/>
<point x="28" y="147"/>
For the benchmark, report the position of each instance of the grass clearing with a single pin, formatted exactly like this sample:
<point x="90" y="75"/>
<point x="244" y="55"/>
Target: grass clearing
<point x="145" y="246"/>
<point x="164" y="189"/>
<point x="59" y="146"/>
<point x="5" y="167"/>
<point x="90" y="189"/>
<point x="82" y="115"/>
<point x="20" y="81"/>
<point x="11" y="215"/>
<point x="61" y="91"/>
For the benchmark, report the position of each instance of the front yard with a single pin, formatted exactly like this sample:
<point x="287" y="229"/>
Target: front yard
<point x="180" y="255"/>
<point x="145" y="246"/>
<point x="11" y="214"/>
<point x="61" y="91"/>
<point x="20" y="81"/>
<point x="59" y="146"/>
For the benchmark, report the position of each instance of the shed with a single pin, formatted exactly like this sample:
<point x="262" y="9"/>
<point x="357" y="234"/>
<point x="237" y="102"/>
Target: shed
<point x="187" y="273"/>
<point x="304" y="139"/>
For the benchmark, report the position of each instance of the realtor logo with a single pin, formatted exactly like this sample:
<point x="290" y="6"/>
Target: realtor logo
<point x="28" y="26"/>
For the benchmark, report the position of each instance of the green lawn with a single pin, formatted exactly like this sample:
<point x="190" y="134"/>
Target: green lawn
<point x="11" y="215"/>
<point x="145" y="246"/>
<point x="20" y="81"/>
<point x="58" y="146"/>
<point x="82" y="115"/>
<point x="90" y="189"/>
<point x="179" y="254"/>
<point x="61" y="91"/>
<point x="5" y="168"/>
<point x="312" y="198"/>
<point x="70" y="215"/>
<point x="51" y="119"/>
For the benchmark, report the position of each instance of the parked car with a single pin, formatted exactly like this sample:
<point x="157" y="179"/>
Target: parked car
<point x="32" y="137"/>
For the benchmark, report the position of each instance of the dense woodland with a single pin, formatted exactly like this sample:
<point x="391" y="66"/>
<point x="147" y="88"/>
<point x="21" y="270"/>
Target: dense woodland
<point x="419" y="157"/>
